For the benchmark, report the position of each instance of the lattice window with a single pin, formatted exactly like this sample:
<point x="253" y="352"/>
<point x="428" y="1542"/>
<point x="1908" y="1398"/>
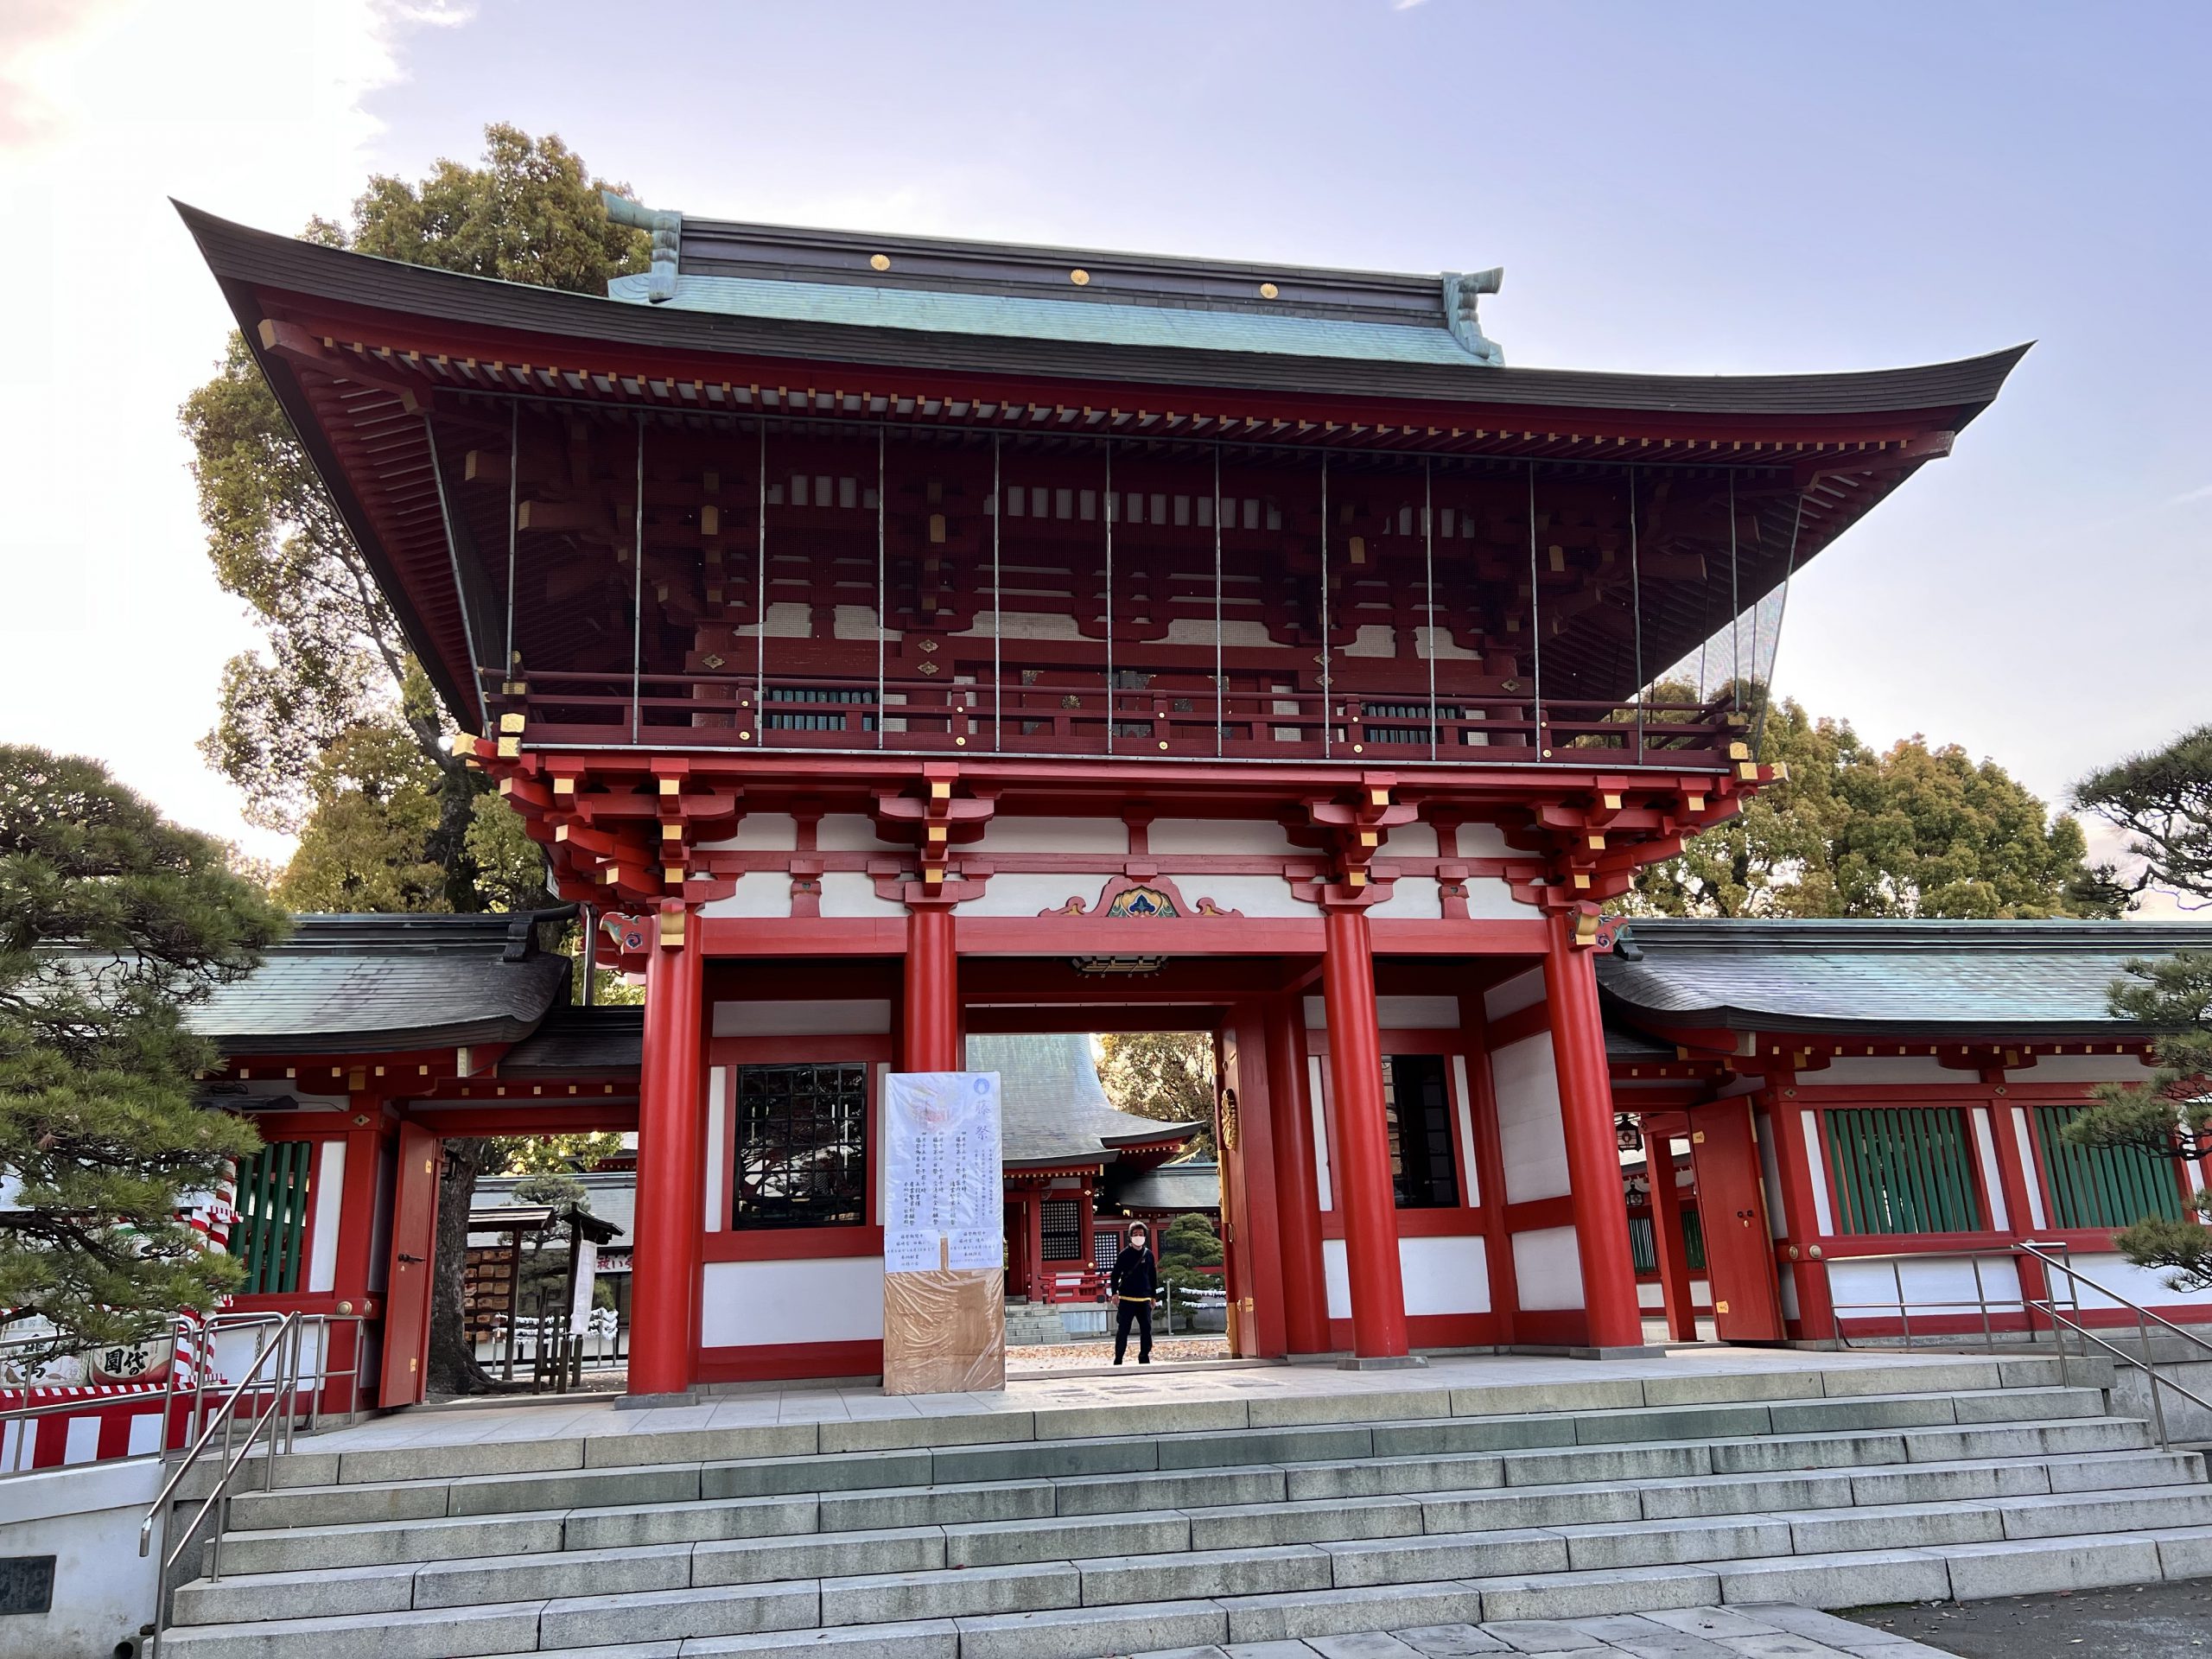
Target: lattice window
<point x="2101" y="1186"/>
<point x="1372" y="712"/>
<point x="1417" y="1107"/>
<point x="1105" y="1245"/>
<point x="1060" y="1221"/>
<point x="1642" y="1254"/>
<point x="270" y="1233"/>
<point x="1693" y="1240"/>
<point x="801" y="1146"/>
<point x="1906" y="1169"/>
<point x="817" y="720"/>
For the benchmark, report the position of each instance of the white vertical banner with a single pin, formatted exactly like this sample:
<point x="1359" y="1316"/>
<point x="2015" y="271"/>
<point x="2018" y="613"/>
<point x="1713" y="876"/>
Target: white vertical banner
<point x="944" y="1178"/>
<point x="587" y="1278"/>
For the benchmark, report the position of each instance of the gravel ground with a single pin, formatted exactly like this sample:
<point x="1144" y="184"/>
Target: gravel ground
<point x="1052" y="1356"/>
<point x="2151" y="1621"/>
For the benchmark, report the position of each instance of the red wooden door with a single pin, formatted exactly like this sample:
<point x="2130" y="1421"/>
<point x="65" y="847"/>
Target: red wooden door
<point x="1738" y="1242"/>
<point x="407" y="1292"/>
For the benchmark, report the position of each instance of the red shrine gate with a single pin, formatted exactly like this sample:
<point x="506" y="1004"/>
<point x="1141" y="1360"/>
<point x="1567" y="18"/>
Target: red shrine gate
<point x="1093" y="630"/>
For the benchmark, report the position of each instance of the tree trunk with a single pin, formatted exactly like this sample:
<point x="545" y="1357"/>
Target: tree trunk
<point x="454" y="1369"/>
<point x="449" y="843"/>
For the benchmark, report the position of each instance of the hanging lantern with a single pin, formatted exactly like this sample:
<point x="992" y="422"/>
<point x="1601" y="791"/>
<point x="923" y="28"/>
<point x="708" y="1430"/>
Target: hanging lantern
<point x="1626" y="1135"/>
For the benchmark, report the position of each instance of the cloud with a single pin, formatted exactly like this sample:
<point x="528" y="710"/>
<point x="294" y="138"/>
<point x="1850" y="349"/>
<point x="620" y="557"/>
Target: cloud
<point x="2202" y="492"/>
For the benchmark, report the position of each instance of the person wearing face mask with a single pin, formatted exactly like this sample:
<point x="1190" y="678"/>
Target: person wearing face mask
<point x="1134" y="1282"/>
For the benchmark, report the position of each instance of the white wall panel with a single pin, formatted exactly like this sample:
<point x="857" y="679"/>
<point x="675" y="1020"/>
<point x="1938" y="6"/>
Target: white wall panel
<point x="760" y="832"/>
<point x="1930" y="1284"/>
<point x="2081" y="1068"/>
<point x="850" y="893"/>
<point x="1445" y="1275"/>
<point x="1227" y="836"/>
<point x="2025" y="1151"/>
<point x="1548" y="1269"/>
<point x="1490" y="899"/>
<point x="329" y="1201"/>
<point x="1463" y="1113"/>
<point x="1521" y="991"/>
<point x="1817" y="1166"/>
<point x="852" y="832"/>
<point x="1532" y="1136"/>
<point x="2143" y="1286"/>
<point x="1985" y="1145"/>
<point x="1335" y="1278"/>
<point x="1410" y="840"/>
<point x="717" y="1116"/>
<point x="1016" y="893"/>
<point x="750" y="1304"/>
<point x="1255" y="895"/>
<point x="761" y="894"/>
<point x="1316" y="1099"/>
<point x="823" y="1017"/>
<point x="1880" y="1068"/>
<point x="1056" y="835"/>
<point x="1396" y="1013"/>
<point x="1485" y="841"/>
<point x="1413" y="899"/>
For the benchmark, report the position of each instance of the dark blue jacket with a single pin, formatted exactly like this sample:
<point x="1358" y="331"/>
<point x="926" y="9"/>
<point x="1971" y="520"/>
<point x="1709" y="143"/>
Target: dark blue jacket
<point x="1137" y="1273"/>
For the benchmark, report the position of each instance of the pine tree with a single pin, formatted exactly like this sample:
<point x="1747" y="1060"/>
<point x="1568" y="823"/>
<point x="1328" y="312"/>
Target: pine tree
<point x="113" y="922"/>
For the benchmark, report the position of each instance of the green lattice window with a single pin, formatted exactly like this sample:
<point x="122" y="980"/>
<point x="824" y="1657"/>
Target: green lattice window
<point x="2101" y="1186"/>
<point x="1643" y="1252"/>
<point x="269" y="1231"/>
<point x="1906" y="1169"/>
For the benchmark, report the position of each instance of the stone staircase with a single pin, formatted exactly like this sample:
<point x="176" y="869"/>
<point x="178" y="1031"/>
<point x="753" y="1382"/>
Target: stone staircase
<point x="1118" y="1528"/>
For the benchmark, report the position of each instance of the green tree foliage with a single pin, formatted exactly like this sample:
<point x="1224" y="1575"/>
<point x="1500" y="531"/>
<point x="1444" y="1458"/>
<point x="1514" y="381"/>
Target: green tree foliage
<point x="113" y="922"/>
<point x="2162" y="802"/>
<point x="1912" y="830"/>
<point x="1166" y="1076"/>
<point x="388" y="817"/>
<point x="335" y="660"/>
<point x="1185" y="1245"/>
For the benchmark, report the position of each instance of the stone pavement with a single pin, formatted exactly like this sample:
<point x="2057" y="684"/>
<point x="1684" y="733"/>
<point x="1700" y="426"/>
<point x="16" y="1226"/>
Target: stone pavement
<point x="1755" y="1631"/>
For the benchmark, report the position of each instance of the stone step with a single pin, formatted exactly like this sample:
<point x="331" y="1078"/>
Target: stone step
<point x="905" y="1576"/>
<point x="851" y="1483"/>
<point x="786" y="1619"/>
<point x="774" y="1525"/>
<point x="611" y="1446"/>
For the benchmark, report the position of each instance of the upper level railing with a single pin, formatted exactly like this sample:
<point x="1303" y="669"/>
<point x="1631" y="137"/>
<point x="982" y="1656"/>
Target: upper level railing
<point x="1074" y="714"/>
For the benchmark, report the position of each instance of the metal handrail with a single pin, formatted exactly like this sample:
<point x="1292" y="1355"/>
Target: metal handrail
<point x="2144" y="1319"/>
<point x="2065" y="1318"/>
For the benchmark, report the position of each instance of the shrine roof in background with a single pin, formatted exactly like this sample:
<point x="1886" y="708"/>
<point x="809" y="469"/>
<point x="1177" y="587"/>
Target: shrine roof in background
<point x="377" y="984"/>
<point x="1987" y="981"/>
<point x="1054" y="1110"/>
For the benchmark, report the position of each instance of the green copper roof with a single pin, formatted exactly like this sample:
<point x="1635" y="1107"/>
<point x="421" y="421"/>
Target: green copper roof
<point x="1088" y="322"/>
<point x="1992" y="978"/>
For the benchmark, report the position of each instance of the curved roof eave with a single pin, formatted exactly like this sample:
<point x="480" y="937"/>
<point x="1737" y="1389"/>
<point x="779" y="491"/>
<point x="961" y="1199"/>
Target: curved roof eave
<point x="261" y="260"/>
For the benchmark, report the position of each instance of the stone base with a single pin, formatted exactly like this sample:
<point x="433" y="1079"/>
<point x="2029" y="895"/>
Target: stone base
<point x="649" y="1401"/>
<point x="1383" y="1362"/>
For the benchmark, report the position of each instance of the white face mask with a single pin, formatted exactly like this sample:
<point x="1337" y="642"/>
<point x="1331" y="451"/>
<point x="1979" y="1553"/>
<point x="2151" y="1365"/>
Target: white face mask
<point x="1140" y="1241"/>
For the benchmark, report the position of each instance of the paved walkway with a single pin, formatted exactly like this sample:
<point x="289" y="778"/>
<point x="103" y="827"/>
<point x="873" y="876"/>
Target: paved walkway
<point x="558" y="1417"/>
<point x="1749" y="1632"/>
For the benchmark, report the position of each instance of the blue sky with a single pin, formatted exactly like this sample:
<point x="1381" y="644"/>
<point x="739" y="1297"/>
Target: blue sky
<point x="1691" y="187"/>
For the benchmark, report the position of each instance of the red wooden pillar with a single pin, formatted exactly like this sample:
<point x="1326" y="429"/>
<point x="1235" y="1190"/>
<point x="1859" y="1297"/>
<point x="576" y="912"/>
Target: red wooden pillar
<point x="1252" y="1236"/>
<point x="1362" y="1172"/>
<point x="1593" y="1163"/>
<point x="1035" y="1289"/>
<point x="1298" y="1195"/>
<point x="930" y="1030"/>
<point x="1802" y="1239"/>
<point x="671" y="1109"/>
<point x="1668" y="1244"/>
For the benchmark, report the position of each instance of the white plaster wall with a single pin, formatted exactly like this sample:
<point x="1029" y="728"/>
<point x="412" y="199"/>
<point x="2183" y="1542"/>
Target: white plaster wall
<point x="1652" y="1297"/>
<point x="717" y="1116"/>
<point x="1547" y="1268"/>
<point x="760" y="894"/>
<point x="2081" y="1068"/>
<point x="1931" y="1284"/>
<point x="1463" y="1114"/>
<point x="1024" y="624"/>
<point x="1770" y="1174"/>
<point x="1523" y="990"/>
<point x="1895" y="1068"/>
<point x="1335" y="1278"/>
<point x="850" y="893"/>
<point x="749" y="1304"/>
<point x="2025" y="1157"/>
<point x="1491" y="900"/>
<point x="1985" y="1145"/>
<point x="1255" y="895"/>
<point x="1014" y="892"/>
<point x="851" y="832"/>
<point x="1532" y="1135"/>
<point x="1056" y="835"/>
<point x="1317" y="1095"/>
<point x="1413" y="899"/>
<point x="758" y="832"/>
<point x="825" y="1017"/>
<point x="1482" y="841"/>
<point x="788" y="618"/>
<point x="2143" y="1286"/>
<point x="1199" y="630"/>
<point x="1445" y="1275"/>
<point x="1217" y="835"/>
<point x="1396" y="1013"/>
<point x="87" y="1519"/>
<point x="1410" y="840"/>
<point x="329" y="1195"/>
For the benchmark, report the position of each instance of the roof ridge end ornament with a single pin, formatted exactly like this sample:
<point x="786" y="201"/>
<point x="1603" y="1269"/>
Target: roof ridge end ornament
<point x="667" y="226"/>
<point x="1463" y="290"/>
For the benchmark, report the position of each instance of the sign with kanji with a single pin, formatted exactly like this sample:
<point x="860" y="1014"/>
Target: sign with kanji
<point x="946" y="1194"/>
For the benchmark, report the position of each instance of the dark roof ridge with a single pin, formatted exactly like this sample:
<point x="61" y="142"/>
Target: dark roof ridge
<point x="1768" y="934"/>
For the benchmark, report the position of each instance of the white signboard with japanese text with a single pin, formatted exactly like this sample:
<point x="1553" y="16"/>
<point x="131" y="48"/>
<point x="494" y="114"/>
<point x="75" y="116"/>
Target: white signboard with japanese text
<point x="945" y="1185"/>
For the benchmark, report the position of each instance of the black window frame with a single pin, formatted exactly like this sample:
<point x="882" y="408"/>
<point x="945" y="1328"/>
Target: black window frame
<point x="1424" y="1168"/>
<point x="835" y="1141"/>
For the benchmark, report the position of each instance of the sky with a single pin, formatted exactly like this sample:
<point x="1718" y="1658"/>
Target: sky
<point x="1696" y="187"/>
